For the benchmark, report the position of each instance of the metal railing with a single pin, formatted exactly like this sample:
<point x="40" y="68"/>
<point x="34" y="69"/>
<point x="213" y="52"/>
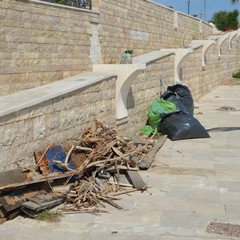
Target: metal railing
<point x="87" y="4"/>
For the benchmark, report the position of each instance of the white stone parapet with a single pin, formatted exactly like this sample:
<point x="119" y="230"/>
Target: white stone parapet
<point x="180" y="55"/>
<point x="206" y="44"/>
<point x="126" y="73"/>
<point x="27" y="98"/>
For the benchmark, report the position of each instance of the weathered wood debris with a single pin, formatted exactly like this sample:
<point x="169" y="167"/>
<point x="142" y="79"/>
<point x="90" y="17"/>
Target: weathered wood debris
<point x="99" y="166"/>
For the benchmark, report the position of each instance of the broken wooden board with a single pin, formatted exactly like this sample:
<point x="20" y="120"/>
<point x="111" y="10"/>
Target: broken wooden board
<point x="4" y="215"/>
<point x="138" y="140"/>
<point x="121" y="178"/>
<point x="136" y="180"/>
<point x="3" y="212"/>
<point x="13" y="200"/>
<point x="12" y="176"/>
<point x="38" y="179"/>
<point x="41" y="161"/>
<point x="149" y="158"/>
<point x="42" y="202"/>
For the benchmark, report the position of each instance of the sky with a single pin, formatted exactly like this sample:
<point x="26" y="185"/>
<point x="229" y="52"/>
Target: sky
<point x="197" y="6"/>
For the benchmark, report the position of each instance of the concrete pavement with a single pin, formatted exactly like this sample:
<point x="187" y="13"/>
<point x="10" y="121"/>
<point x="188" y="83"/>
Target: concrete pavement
<point x="193" y="183"/>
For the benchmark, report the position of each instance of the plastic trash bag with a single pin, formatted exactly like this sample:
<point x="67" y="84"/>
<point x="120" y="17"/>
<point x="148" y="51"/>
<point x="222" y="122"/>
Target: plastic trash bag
<point x="57" y="153"/>
<point x="147" y="131"/>
<point x="181" y="125"/>
<point x="174" y="98"/>
<point x="182" y="93"/>
<point x="159" y="107"/>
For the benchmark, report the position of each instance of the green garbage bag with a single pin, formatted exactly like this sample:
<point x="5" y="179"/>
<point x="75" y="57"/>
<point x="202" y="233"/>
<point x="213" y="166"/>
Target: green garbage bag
<point x="147" y="131"/>
<point x="159" y="107"/>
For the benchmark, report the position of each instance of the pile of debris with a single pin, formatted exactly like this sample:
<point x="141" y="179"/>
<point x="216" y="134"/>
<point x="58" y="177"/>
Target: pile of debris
<point x="96" y="167"/>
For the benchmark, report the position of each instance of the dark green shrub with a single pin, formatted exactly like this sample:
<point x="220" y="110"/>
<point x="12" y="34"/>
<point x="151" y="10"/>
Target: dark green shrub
<point x="236" y="75"/>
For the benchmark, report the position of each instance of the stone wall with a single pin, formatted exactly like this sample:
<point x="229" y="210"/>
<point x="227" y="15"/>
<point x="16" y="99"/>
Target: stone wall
<point x="233" y="60"/>
<point x="145" y="88"/>
<point x="64" y="117"/>
<point x="54" y="122"/>
<point x="190" y="72"/>
<point x="43" y="42"/>
<point x="200" y="81"/>
<point x="144" y="27"/>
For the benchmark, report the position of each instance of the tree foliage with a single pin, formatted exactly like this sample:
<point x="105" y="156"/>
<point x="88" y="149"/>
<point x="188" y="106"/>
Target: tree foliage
<point x="226" y="20"/>
<point x="61" y="1"/>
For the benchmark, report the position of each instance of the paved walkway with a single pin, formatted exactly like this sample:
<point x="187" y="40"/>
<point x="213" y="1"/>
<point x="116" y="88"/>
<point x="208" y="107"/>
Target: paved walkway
<point x="201" y="185"/>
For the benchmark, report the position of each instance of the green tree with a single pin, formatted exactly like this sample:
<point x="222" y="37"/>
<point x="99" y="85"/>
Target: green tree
<point x="233" y="20"/>
<point x="226" y="20"/>
<point x="61" y="1"/>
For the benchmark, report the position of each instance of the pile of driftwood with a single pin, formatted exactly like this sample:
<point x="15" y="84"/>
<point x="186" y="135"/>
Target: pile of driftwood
<point x="99" y="165"/>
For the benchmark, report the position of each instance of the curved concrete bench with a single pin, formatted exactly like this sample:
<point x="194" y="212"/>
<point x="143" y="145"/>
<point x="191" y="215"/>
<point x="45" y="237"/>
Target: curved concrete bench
<point x="30" y="97"/>
<point x="180" y="55"/>
<point x="221" y="39"/>
<point x="238" y="33"/>
<point x="231" y="37"/>
<point x="206" y="44"/>
<point x="151" y="57"/>
<point x="126" y="74"/>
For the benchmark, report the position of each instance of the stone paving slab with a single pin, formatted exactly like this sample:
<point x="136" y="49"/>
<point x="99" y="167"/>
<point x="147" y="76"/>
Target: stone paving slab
<point x="193" y="183"/>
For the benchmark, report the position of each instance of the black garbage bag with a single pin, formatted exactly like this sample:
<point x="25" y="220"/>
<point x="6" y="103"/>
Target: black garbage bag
<point x="184" y="96"/>
<point x="174" y="98"/>
<point x="181" y="125"/>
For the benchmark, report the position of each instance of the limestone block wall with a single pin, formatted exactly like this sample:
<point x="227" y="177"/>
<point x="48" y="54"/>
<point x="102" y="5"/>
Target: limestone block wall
<point x="229" y="60"/>
<point x="63" y="118"/>
<point x="190" y="72"/>
<point x="145" y="88"/>
<point x="43" y="42"/>
<point x="144" y="26"/>
<point x="234" y="51"/>
<point x="193" y="29"/>
<point x="212" y="73"/>
<point x="225" y="57"/>
<point x="218" y="70"/>
<point x="54" y="121"/>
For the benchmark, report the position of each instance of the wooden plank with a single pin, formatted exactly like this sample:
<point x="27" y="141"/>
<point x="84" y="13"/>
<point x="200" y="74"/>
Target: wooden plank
<point x="138" y="140"/>
<point x="42" y="198"/>
<point x="149" y="158"/>
<point x="12" y="176"/>
<point x="30" y="205"/>
<point x="122" y="178"/>
<point x="41" y="161"/>
<point x="136" y="180"/>
<point x="13" y="200"/>
<point x="3" y="213"/>
<point x="40" y="179"/>
<point x="43" y="205"/>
